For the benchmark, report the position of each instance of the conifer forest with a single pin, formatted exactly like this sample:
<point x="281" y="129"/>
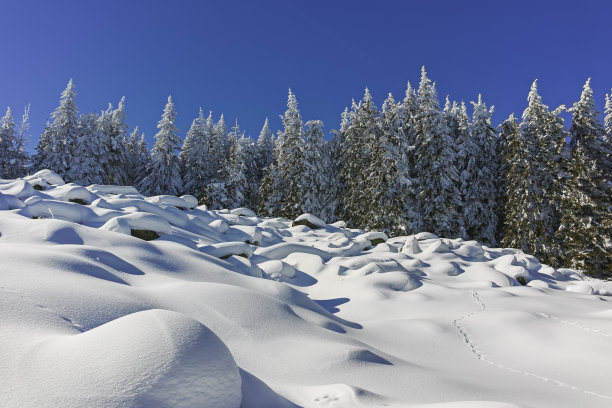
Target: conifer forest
<point x="415" y="164"/>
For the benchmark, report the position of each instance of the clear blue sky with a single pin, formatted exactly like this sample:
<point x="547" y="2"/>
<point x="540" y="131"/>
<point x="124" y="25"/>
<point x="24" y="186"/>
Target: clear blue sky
<point x="240" y="57"/>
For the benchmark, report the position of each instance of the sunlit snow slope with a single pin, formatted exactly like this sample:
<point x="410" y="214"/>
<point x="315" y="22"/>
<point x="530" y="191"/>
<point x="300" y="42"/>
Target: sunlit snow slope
<point x="225" y="309"/>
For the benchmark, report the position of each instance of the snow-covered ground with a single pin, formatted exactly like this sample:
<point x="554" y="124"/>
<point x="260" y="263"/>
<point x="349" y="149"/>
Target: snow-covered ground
<point x="225" y="309"/>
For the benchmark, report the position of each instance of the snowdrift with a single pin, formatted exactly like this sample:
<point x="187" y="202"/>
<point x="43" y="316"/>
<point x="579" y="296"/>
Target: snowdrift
<point x="109" y="298"/>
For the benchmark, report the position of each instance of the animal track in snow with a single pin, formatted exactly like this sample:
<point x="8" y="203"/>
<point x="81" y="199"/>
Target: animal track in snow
<point x="587" y="329"/>
<point x="460" y="324"/>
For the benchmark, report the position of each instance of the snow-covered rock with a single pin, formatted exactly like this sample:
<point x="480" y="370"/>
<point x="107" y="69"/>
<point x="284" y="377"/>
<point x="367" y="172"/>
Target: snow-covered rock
<point x="311" y="221"/>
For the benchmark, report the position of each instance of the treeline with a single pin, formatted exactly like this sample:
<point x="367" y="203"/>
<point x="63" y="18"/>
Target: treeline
<point x="412" y="166"/>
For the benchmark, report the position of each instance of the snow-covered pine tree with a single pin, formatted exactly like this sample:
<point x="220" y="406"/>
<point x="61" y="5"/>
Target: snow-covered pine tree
<point x="234" y="171"/>
<point x="586" y="221"/>
<point x="607" y="165"/>
<point x="116" y="129"/>
<point x="543" y="140"/>
<point x="463" y="146"/>
<point x="336" y="154"/>
<point x="268" y="199"/>
<point x="90" y="153"/>
<point x="252" y="173"/>
<point x="131" y="145"/>
<point x="479" y="200"/>
<point x="163" y="171"/>
<point x="439" y="198"/>
<point x="507" y="131"/>
<point x="22" y="157"/>
<point x="194" y="156"/>
<point x="314" y="179"/>
<point x="551" y="139"/>
<point x="137" y="158"/>
<point x="518" y="180"/>
<point x="329" y="198"/>
<point x="608" y="117"/>
<point x="356" y="151"/>
<point x="265" y="150"/>
<point x="8" y="145"/>
<point x="229" y="190"/>
<point x="218" y="148"/>
<point x="55" y="149"/>
<point x="286" y="197"/>
<point x="398" y="198"/>
<point x="41" y="158"/>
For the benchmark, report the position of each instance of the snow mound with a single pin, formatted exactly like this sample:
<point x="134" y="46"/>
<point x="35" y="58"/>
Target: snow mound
<point x="310" y="221"/>
<point x="149" y="358"/>
<point x="45" y="178"/>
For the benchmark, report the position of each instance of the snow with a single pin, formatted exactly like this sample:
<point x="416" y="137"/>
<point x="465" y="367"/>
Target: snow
<point x="92" y="316"/>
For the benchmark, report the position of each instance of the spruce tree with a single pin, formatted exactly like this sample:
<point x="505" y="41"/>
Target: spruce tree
<point x="439" y="197"/>
<point x="586" y="221"/>
<point x="218" y="148"/>
<point x="395" y="189"/>
<point x="547" y="129"/>
<point x="252" y="171"/>
<point x="608" y="117"/>
<point x="314" y="179"/>
<point x="285" y="199"/>
<point x="265" y="150"/>
<point x="542" y="139"/>
<point x="479" y="200"/>
<point x="194" y="156"/>
<point x="55" y="149"/>
<point x="90" y="153"/>
<point x="116" y="132"/>
<point x="8" y="145"/>
<point x="337" y="156"/>
<point x="507" y="131"/>
<point x="22" y="157"/>
<point x="520" y="201"/>
<point x="137" y="158"/>
<point x="229" y="190"/>
<point x="355" y="158"/>
<point x="163" y="170"/>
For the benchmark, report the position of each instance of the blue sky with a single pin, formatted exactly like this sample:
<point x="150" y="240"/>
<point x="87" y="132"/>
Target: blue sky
<point x="240" y="57"/>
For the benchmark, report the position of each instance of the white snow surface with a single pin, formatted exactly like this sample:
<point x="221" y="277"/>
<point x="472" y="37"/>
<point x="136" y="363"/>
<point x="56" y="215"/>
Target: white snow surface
<point x="91" y="316"/>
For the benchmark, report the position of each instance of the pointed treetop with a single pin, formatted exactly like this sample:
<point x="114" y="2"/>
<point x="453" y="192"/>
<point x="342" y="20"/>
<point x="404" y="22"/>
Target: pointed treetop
<point x="447" y="105"/>
<point x="69" y="93"/>
<point x="587" y="92"/>
<point x="265" y="130"/>
<point x="292" y="101"/>
<point x="389" y="103"/>
<point x="423" y="73"/>
<point x="534" y="97"/>
<point x="8" y="114"/>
